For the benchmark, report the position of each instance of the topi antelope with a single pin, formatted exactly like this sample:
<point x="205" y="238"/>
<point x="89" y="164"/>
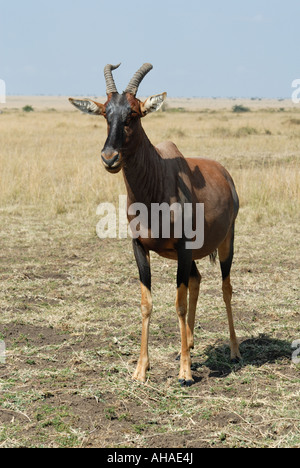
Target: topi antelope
<point x="157" y="175"/>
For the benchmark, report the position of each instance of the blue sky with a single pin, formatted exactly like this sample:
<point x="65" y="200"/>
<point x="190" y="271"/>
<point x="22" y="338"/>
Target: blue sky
<point x="227" y="48"/>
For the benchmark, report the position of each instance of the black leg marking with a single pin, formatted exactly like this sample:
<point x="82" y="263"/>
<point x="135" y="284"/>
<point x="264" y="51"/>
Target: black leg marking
<point x="194" y="271"/>
<point x="142" y="260"/>
<point x="185" y="265"/>
<point x="227" y="264"/>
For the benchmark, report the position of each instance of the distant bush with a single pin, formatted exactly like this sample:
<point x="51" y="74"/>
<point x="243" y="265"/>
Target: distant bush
<point x="294" y="121"/>
<point x="238" y="108"/>
<point x="28" y="109"/>
<point x="174" y="109"/>
<point x="221" y="132"/>
<point x="246" y="131"/>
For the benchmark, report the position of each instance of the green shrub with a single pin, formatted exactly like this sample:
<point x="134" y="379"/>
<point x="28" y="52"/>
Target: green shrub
<point x="239" y="108"/>
<point x="28" y="109"/>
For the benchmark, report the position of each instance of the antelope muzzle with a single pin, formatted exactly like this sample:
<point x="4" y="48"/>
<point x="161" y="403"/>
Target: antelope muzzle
<point x="112" y="160"/>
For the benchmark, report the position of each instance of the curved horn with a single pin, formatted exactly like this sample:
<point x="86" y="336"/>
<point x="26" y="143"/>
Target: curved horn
<point x="110" y="84"/>
<point x="135" y="82"/>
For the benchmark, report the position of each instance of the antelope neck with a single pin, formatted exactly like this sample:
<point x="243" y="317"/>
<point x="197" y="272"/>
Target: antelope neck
<point x="144" y="172"/>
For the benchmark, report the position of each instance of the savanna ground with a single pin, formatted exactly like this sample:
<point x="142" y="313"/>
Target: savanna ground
<point x="70" y="302"/>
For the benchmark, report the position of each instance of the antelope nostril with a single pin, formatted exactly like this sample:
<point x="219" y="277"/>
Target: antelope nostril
<point x="111" y="161"/>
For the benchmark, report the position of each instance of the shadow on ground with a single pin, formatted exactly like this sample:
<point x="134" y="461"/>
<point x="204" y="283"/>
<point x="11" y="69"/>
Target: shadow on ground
<point x="255" y="352"/>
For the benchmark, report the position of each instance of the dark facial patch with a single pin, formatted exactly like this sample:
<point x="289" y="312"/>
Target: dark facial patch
<point x="117" y="108"/>
<point x="118" y="111"/>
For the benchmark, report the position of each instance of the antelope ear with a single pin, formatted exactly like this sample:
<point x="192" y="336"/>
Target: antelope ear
<point x="153" y="103"/>
<point x="88" y="106"/>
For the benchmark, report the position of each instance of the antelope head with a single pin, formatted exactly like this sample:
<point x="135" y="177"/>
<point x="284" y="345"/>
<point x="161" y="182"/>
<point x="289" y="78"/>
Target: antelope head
<point x="123" y="113"/>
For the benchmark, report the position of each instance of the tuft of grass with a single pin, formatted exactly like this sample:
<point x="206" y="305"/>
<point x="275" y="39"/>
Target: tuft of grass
<point x="174" y="132"/>
<point x="174" y="110"/>
<point x="245" y="131"/>
<point x="221" y="132"/>
<point x="294" y="121"/>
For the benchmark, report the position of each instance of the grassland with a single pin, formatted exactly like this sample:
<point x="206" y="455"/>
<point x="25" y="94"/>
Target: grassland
<point x="69" y="301"/>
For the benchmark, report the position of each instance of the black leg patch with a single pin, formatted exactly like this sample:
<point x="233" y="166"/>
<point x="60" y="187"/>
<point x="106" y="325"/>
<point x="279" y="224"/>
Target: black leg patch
<point x="142" y="263"/>
<point x="226" y="266"/>
<point x="194" y="271"/>
<point x="185" y="259"/>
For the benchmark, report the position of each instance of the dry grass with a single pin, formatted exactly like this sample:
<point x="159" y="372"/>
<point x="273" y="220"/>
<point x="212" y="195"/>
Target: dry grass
<point x="70" y="302"/>
<point x="52" y="158"/>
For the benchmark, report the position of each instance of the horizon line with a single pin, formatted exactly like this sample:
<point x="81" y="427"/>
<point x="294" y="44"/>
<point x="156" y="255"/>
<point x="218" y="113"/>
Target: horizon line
<point x="253" y="98"/>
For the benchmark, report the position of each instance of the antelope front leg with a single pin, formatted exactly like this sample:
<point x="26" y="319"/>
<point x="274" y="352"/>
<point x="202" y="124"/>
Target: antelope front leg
<point x="183" y="273"/>
<point x="143" y="263"/>
<point x="143" y="363"/>
<point x="185" y="374"/>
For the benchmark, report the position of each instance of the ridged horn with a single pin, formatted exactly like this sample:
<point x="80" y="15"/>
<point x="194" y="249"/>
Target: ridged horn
<point x="110" y="83"/>
<point x="135" y="82"/>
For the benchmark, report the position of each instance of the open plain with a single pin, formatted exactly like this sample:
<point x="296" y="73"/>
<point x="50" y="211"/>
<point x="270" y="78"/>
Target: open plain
<point x="70" y="302"/>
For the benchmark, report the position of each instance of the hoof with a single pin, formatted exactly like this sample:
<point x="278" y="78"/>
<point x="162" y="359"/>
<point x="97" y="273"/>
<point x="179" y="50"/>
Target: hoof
<point x="236" y="360"/>
<point x="186" y="383"/>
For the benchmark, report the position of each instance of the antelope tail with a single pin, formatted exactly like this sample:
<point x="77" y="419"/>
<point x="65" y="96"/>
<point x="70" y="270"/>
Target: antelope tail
<point x="213" y="257"/>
